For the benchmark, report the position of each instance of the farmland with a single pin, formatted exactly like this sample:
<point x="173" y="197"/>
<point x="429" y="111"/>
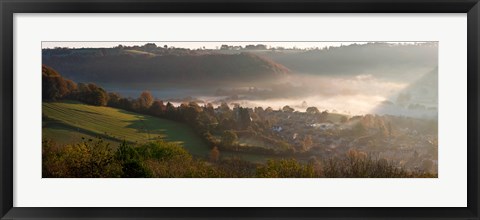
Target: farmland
<point x="67" y="122"/>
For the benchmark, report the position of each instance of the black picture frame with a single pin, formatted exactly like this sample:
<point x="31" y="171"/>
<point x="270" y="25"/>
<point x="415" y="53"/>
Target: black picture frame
<point x="10" y="7"/>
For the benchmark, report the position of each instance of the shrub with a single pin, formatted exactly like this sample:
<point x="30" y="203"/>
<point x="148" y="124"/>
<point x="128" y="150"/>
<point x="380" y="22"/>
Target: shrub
<point x="161" y="150"/>
<point x="359" y="165"/>
<point x="131" y="163"/>
<point x="87" y="159"/>
<point x="235" y="168"/>
<point x="285" y="168"/>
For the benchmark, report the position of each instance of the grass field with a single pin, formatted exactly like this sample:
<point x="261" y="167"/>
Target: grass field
<point x="68" y="122"/>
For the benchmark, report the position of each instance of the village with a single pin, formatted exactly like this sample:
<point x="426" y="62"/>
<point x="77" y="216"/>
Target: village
<point x="410" y="142"/>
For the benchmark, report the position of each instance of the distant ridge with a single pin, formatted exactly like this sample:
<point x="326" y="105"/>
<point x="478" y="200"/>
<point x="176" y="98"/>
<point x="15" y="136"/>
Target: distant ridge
<point x="114" y="65"/>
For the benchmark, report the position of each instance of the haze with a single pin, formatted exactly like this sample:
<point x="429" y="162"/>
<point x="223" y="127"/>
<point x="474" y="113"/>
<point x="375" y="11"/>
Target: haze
<point x="352" y="78"/>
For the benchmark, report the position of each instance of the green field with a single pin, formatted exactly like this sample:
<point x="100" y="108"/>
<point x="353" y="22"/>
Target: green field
<point x="67" y="122"/>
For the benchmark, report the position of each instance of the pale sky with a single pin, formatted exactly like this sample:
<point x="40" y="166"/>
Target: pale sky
<point x="194" y="45"/>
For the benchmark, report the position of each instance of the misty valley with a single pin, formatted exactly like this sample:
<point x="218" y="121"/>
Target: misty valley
<point x="251" y="110"/>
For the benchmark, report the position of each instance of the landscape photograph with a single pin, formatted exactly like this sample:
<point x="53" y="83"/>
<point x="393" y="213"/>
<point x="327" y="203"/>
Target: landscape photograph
<point x="239" y="109"/>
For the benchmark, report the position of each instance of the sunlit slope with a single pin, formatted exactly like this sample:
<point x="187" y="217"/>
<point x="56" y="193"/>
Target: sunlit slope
<point x="67" y="122"/>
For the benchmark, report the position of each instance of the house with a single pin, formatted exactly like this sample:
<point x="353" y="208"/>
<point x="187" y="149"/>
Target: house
<point x="322" y="126"/>
<point x="277" y="128"/>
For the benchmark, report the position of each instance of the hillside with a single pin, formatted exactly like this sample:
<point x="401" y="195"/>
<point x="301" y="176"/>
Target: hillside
<point x="378" y="59"/>
<point x="419" y="99"/>
<point x="49" y="72"/>
<point x="67" y="122"/>
<point x="133" y="66"/>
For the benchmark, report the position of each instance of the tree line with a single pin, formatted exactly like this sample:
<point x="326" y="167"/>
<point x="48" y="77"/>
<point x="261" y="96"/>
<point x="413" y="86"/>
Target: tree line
<point x="159" y="159"/>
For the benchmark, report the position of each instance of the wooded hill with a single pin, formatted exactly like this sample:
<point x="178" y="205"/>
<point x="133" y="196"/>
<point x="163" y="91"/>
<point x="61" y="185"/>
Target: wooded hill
<point x="378" y="59"/>
<point x="143" y="67"/>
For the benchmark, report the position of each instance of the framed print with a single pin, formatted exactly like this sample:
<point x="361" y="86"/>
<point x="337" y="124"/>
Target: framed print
<point x="256" y="109"/>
